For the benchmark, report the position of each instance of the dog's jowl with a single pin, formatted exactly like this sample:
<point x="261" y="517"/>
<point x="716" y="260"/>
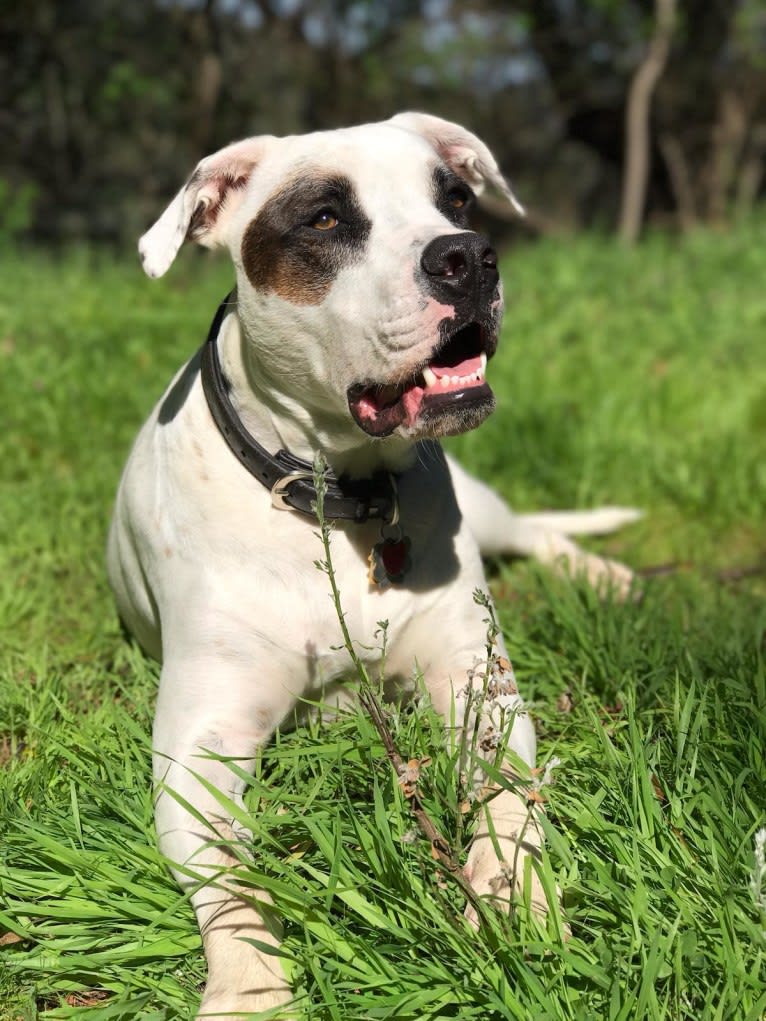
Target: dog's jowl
<point x="364" y="314"/>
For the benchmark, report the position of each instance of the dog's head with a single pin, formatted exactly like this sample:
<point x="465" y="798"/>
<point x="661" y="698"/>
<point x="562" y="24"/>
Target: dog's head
<point x="360" y="285"/>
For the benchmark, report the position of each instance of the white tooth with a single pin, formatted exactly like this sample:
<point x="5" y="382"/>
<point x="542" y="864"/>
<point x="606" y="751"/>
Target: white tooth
<point x="455" y="380"/>
<point x="429" y="376"/>
<point x="444" y="380"/>
<point x="465" y="380"/>
<point x="483" y="363"/>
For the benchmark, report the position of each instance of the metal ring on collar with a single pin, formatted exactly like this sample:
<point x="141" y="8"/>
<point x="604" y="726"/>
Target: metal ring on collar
<point x="393" y="520"/>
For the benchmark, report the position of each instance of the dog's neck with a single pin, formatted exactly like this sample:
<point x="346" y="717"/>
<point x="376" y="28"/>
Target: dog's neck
<point x="277" y="420"/>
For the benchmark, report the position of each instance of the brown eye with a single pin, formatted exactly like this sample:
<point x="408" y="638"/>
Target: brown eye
<point x="326" y="220"/>
<point x="456" y="199"/>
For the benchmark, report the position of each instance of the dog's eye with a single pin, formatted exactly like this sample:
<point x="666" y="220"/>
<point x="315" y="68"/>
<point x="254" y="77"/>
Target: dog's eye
<point x="457" y="198"/>
<point x="326" y="220"/>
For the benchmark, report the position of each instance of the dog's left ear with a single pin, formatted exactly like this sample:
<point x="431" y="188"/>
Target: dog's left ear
<point x="204" y="205"/>
<point x="462" y="151"/>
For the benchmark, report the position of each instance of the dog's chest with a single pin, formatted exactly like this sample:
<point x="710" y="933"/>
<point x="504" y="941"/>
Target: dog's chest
<point x="251" y="577"/>
<point x="262" y="575"/>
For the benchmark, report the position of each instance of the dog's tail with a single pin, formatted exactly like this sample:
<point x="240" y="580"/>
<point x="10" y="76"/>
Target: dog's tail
<point x="600" y="521"/>
<point x="498" y="530"/>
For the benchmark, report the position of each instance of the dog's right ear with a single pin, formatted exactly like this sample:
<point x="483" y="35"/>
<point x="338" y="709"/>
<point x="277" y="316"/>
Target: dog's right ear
<point x="202" y="207"/>
<point x="461" y="150"/>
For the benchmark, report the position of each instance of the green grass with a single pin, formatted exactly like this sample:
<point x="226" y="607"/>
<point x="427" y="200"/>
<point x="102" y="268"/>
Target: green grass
<point x="633" y="377"/>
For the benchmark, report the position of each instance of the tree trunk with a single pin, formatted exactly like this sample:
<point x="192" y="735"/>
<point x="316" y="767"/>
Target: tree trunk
<point x="206" y="35"/>
<point x="680" y="180"/>
<point x="637" y="141"/>
<point x="752" y="172"/>
<point x="729" y="137"/>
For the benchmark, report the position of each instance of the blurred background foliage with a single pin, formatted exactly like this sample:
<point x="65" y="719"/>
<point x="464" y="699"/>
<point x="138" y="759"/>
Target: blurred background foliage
<point x="106" y="105"/>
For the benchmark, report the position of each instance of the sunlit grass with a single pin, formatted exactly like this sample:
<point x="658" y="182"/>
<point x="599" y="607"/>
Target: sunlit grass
<point x="633" y="377"/>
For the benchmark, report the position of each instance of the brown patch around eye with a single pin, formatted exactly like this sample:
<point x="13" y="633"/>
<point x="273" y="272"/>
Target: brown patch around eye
<point x="296" y="252"/>
<point x="272" y="267"/>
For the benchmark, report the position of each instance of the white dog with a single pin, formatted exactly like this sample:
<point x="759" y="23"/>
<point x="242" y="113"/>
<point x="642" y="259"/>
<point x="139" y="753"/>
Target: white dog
<point x="364" y="314"/>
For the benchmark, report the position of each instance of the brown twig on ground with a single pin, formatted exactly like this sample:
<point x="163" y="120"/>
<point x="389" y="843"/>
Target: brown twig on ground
<point x="732" y="574"/>
<point x="726" y="575"/>
<point x="658" y="570"/>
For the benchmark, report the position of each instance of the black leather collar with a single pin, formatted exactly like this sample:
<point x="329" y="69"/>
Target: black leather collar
<point x="288" y="478"/>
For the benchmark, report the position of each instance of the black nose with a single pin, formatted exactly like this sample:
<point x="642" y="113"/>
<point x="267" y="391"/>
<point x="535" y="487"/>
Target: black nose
<point x="460" y="265"/>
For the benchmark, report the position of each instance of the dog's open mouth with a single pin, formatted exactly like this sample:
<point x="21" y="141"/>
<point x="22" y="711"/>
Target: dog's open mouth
<point x="452" y="380"/>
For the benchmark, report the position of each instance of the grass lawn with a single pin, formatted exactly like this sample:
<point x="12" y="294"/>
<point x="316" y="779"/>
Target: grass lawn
<point x="634" y="377"/>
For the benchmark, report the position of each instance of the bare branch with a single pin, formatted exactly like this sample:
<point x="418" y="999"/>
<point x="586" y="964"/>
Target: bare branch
<point x="440" y="846"/>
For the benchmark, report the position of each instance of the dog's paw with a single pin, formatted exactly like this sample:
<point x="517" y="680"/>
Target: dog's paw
<point x="239" y="1006"/>
<point x="226" y="1009"/>
<point x="501" y="883"/>
<point x="498" y="866"/>
<point x="607" y="577"/>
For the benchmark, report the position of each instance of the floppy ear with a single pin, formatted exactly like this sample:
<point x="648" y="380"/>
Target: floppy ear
<point x="462" y="151"/>
<point x="202" y="207"/>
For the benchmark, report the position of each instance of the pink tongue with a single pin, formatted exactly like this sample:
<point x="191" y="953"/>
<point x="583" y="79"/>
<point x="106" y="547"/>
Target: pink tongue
<point x="412" y="400"/>
<point x="466" y="368"/>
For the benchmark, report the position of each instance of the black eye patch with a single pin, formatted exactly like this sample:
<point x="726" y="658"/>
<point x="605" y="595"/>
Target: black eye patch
<point x="452" y="196"/>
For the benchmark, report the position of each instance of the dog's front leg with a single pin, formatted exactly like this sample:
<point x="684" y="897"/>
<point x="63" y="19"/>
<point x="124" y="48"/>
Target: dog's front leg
<point x="209" y="712"/>
<point x="484" y="705"/>
<point x="509" y="833"/>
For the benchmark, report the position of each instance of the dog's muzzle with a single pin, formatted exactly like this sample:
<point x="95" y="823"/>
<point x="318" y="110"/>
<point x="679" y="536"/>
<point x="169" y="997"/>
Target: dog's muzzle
<point x="448" y="393"/>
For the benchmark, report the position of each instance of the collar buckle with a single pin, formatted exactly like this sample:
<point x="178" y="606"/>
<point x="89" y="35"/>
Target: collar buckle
<point x="281" y="488"/>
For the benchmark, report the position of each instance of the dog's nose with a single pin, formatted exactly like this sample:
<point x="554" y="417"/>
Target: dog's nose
<point x="460" y="264"/>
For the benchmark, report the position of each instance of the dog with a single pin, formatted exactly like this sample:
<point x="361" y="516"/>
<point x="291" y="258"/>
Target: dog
<point x="364" y="315"/>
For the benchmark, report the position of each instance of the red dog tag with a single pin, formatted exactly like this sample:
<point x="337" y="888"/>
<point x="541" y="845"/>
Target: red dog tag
<point x="389" y="561"/>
